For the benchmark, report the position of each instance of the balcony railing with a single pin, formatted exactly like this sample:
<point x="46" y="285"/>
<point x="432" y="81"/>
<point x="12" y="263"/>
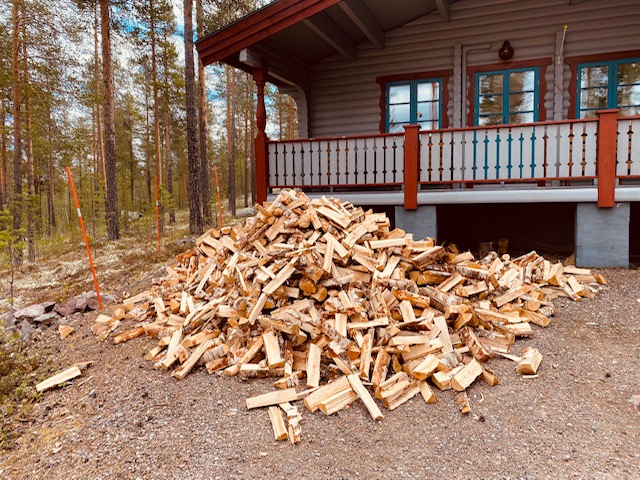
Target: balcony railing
<point x="561" y="153"/>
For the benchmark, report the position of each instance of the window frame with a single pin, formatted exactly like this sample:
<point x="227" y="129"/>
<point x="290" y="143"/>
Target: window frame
<point x="473" y="71"/>
<point x="612" y="87"/>
<point x="413" y="100"/>
<point x="573" y="63"/>
<point x="506" y="93"/>
<point x="385" y="81"/>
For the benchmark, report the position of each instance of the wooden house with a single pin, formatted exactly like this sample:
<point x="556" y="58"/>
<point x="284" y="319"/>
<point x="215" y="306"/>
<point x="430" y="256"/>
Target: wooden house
<point x="415" y="105"/>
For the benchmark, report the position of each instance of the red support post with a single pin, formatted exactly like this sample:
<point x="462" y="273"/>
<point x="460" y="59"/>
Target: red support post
<point x="607" y="154"/>
<point x="262" y="171"/>
<point x="411" y="161"/>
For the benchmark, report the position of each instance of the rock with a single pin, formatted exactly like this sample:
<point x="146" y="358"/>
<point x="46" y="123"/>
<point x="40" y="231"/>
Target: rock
<point x="66" y="308"/>
<point x="46" y="319"/>
<point x="8" y="320"/>
<point x="48" y="306"/>
<point x="26" y="330"/>
<point x="92" y="303"/>
<point x="246" y="212"/>
<point x="30" y="312"/>
<point x="106" y="298"/>
<point x="80" y="304"/>
<point x="635" y="401"/>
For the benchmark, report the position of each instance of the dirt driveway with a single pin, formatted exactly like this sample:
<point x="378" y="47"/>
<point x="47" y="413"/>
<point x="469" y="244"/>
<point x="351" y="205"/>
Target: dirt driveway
<point x="123" y="420"/>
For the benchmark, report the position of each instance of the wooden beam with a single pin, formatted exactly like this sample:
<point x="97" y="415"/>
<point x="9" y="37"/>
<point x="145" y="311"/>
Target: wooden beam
<point x="444" y="9"/>
<point x="331" y="33"/>
<point x="364" y="20"/>
<point x="257" y="26"/>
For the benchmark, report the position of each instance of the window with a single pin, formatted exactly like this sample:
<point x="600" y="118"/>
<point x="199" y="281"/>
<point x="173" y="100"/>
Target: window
<point x="609" y="84"/>
<point x="507" y="96"/>
<point x="414" y="102"/>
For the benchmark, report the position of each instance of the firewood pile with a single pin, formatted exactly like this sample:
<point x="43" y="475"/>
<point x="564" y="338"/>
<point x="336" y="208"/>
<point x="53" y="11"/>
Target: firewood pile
<point x="335" y="307"/>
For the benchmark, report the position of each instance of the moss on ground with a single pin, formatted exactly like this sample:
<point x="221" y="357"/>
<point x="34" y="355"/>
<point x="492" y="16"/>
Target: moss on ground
<point x="19" y="369"/>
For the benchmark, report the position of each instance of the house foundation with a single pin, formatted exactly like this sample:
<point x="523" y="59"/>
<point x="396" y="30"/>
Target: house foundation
<point x="602" y="235"/>
<point x="422" y="222"/>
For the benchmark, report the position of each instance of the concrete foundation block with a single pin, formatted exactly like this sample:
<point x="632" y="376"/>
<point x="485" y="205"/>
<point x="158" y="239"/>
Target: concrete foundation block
<point x="602" y="235"/>
<point x="421" y="222"/>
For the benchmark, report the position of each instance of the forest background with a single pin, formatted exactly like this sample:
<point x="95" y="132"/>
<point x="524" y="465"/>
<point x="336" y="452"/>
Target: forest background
<point x="108" y="88"/>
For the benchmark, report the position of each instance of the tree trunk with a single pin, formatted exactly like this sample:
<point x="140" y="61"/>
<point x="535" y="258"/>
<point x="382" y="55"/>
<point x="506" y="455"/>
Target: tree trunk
<point x="17" y="125"/>
<point x="147" y="153"/>
<point x="169" y="162"/>
<point x="3" y="157"/>
<point x="247" y="154"/>
<point x="156" y="106"/>
<point x="205" y="171"/>
<point x="231" y="135"/>
<point x="51" y="181"/>
<point x="96" y="74"/>
<point x="196" y="225"/>
<point x="31" y="244"/>
<point x="111" y="198"/>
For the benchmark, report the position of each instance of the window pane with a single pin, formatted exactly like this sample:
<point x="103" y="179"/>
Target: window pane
<point x="521" y="102"/>
<point x="428" y="111"/>
<point x="522" y="81"/>
<point x="491" y="83"/>
<point x="428" y="91"/>
<point x="490" y="104"/>
<point x="629" y="111"/>
<point x="588" y="114"/>
<point x="594" y="76"/>
<point x="521" y="117"/>
<point x="395" y="128"/>
<point x="490" y="120"/>
<point x="629" y="95"/>
<point x="399" y="94"/>
<point x="629" y="73"/>
<point x="593" y="98"/>
<point x="399" y="114"/>
<point x="428" y="125"/>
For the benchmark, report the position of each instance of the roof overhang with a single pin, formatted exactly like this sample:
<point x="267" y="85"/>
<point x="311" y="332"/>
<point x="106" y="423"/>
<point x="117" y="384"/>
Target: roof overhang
<point x="292" y="35"/>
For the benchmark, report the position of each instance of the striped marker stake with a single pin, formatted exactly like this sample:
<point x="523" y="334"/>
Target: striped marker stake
<point x="215" y="170"/>
<point x="84" y="235"/>
<point x="158" y="210"/>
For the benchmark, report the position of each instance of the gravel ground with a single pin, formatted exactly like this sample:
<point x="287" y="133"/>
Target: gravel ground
<point x="122" y="419"/>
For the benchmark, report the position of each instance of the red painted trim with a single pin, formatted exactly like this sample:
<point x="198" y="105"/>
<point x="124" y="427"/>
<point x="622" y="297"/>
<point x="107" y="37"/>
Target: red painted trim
<point x="411" y="166"/>
<point x="339" y="185"/>
<point x="257" y="26"/>
<point x="445" y="75"/>
<point x="600" y="57"/>
<point x="470" y="183"/>
<point x="347" y="137"/>
<point x="445" y="130"/>
<point x="542" y="63"/>
<point x="607" y="153"/>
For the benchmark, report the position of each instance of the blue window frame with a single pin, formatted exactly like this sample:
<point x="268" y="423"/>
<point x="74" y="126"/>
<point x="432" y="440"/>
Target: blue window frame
<point x="507" y="96"/>
<point x="414" y="102"/>
<point x="609" y="84"/>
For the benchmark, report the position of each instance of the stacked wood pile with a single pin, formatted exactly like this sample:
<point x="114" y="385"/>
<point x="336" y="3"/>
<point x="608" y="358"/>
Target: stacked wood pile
<point x="331" y="304"/>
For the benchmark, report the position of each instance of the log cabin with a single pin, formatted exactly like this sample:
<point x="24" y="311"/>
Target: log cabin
<point x="431" y="109"/>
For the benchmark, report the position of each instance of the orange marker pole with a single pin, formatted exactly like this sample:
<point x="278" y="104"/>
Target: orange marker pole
<point x="158" y="210"/>
<point x="84" y="234"/>
<point x="215" y="170"/>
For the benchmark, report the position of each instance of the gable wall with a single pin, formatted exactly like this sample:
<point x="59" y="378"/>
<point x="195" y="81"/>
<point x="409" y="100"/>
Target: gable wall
<point x="345" y="98"/>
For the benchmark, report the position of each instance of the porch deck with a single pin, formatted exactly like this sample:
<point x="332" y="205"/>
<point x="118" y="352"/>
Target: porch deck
<point x="589" y="160"/>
